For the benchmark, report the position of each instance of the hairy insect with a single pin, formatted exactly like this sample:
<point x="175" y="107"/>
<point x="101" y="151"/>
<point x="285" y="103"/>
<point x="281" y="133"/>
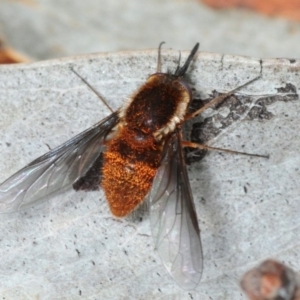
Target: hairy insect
<point x="133" y="154"/>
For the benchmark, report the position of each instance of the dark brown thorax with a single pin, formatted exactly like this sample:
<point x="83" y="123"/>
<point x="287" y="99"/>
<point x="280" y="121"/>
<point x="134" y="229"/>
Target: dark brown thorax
<point x="157" y="102"/>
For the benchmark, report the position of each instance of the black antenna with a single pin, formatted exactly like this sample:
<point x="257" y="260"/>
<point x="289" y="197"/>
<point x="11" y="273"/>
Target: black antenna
<point x="181" y="71"/>
<point x="178" y="66"/>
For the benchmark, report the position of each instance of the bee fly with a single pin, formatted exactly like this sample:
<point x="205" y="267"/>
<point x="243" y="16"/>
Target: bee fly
<point x="133" y="154"/>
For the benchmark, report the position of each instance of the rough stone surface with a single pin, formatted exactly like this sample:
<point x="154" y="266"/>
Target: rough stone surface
<point x="248" y="208"/>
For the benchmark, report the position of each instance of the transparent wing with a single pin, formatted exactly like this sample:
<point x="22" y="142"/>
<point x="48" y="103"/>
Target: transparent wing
<point x="56" y="170"/>
<point x="173" y="218"/>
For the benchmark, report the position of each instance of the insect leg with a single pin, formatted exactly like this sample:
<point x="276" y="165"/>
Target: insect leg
<point x="158" y="68"/>
<point x="218" y="99"/>
<point x="205" y="147"/>
<point x="93" y="90"/>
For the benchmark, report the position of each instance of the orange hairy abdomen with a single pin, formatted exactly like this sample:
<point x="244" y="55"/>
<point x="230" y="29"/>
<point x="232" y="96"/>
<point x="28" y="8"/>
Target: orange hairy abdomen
<point x="130" y="164"/>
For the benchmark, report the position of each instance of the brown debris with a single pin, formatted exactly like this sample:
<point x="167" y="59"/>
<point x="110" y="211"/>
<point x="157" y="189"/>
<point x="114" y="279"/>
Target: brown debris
<point x="10" y="56"/>
<point x="271" y="280"/>
<point x="289" y="9"/>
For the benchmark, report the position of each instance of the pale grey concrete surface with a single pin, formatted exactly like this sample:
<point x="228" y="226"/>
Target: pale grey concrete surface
<point x="248" y="208"/>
